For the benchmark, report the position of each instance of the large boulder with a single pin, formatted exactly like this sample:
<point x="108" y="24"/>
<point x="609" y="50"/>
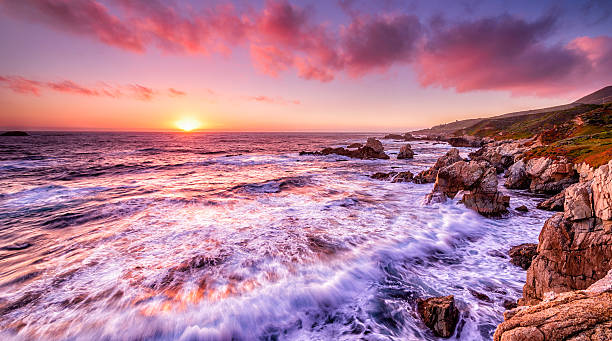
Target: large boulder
<point x="550" y="176"/>
<point x="439" y="314"/>
<point x="376" y="145"/>
<point x="447" y="159"/>
<point x="405" y="152"/>
<point x="517" y="177"/>
<point x="478" y="180"/>
<point x="575" y="247"/>
<point x="522" y="255"/>
<point x="602" y="191"/>
<point x="501" y="154"/>
<point x="584" y="315"/>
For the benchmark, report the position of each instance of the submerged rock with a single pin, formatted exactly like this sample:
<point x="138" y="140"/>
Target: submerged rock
<point x="15" y="133"/>
<point x="522" y="208"/>
<point x="439" y="314"/>
<point x="577" y="315"/>
<point x="522" y="255"/>
<point x="393" y="176"/>
<point x="364" y="152"/>
<point x="429" y="175"/>
<point x="405" y="152"/>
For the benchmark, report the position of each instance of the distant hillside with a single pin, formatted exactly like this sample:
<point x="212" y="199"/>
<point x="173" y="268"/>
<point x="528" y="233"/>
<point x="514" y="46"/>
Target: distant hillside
<point x="600" y="96"/>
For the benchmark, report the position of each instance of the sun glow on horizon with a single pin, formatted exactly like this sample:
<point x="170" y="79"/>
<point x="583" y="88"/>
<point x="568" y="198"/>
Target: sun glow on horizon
<point x="188" y="124"/>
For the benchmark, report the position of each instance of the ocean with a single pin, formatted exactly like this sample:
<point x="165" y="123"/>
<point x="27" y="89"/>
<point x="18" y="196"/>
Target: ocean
<point x="234" y="236"/>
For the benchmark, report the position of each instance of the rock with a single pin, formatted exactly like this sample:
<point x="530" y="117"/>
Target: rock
<point x="489" y="205"/>
<point x="403" y="177"/>
<point x="409" y="137"/>
<point x="522" y="208"/>
<point x="405" y="152"/>
<point x="575" y="246"/>
<point x="554" y="203"/>
<point x="393" y="176"/>
<point x="383" y="176"/>
<point x="465" y="141"/>
<point x="522" y="255"/>
<point x="602" y="191"/>
<point x="15" y="133"/>
<point x="439" y="314"/>
<point x="509" y="304"/>
<point x="376" y="145"/>
<point x="585" y="172"/>
<point x="393" y="137"/>
<point x="577" y="315"/>
<point x="500" y="155"/>
<point x="478" y="180"/>
<point x="480" y="296"/>
<point x="577" y="205"/>
<point x="517" y="177"/>
<point x="354" y="145"/>
<point x="447" y="159"/>
<point x="550" y="176"/>
<point x="364" y="152"/>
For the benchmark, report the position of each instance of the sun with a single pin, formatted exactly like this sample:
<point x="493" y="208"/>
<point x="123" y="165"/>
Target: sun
<point x="187" y="124"/>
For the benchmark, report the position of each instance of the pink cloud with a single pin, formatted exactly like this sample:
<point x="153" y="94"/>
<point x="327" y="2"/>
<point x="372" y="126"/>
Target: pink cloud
<point x="270" y="100"/>
<point x="176" y="93"/>
<point x="87" y="18"/>
<point x="23" y="85"/>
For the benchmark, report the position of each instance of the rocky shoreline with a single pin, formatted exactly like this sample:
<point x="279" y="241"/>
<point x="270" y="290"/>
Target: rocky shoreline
<point x="567" y="294"/>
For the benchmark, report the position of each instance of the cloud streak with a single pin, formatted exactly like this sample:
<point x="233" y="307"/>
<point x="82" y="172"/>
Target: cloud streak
<point x="23" y="85"/>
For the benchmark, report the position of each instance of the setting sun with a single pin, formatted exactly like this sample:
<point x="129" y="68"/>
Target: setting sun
<point x="187" y="124"/>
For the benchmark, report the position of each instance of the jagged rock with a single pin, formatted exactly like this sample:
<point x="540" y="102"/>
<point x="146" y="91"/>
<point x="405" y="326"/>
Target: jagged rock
<point x="393" y="137"/>
<point x="550" y="176"/>
<point x="403" y="177"/>
<point x="522" y="208"/>
<point x="585" y="172"/>
<point x="583" y="315"/>
<point x="447" y="159"/>
<point x="577" y="204"/>
<point x="602" y="191"/>
<point x="575" y="247"/>
<point x="517" y="177"/>
<point x="478" y="180"/>
<point x="522" y="255"/>
<point x="376" y="145"/>
<point x="383" y="176"/>
<point x="364" y="152"/>
<point x="500" y="155"/>
<point x="354" y="145"/>
<point x="393" y="176"/>
<point x="439" y="314"/>
<point x="405" y="152"/>
<point x="486" y="204"/>
<point x="554" y="203"/>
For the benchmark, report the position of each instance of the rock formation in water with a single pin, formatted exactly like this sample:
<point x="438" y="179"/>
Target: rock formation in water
<point x="522" y="255"/>
<point x="554" y="203"/>
<point x="429" y="175"/>
<point x="405" y="152"/>
<point x="393" y="176"/>
<point x="478" y="180"/>
<point x="439" y="314"/>
<point x="376" y="145"/>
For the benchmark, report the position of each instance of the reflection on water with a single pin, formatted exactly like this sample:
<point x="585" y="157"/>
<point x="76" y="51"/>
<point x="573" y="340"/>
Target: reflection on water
<point x="220" y="236"/>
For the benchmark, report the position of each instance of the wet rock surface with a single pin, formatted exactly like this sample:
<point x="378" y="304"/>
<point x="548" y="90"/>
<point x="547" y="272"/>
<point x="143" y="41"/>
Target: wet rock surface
<point x="376" y="145"/>
<point x="439" y="314"/>
<point x="405" y="152"/>
<point x="364" y="153"/>
<point x="554" y="203"/>
<point x="522" y="255"/>
<point x="517" y="177"/>
<point x="577" y="315"/>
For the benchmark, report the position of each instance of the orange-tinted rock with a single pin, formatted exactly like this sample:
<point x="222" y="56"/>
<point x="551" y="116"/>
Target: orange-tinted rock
<point x="439" y="314"/>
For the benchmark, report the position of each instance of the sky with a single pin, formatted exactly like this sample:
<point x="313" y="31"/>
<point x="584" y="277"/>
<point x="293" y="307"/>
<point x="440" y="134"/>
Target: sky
<point x="280" y="65"/>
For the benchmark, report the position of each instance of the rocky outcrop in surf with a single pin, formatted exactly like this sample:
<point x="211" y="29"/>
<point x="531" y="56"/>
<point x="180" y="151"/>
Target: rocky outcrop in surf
<point x="393" y="176"/>
<point x="478" y="180"/>
<point x="372" y="150"/>
<point x="439" y="314"/>
<point x="554" y="203"/>
<point x="522" y="255"/>
<point x="428" y="176"/>
<point x="405" y="152"/>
